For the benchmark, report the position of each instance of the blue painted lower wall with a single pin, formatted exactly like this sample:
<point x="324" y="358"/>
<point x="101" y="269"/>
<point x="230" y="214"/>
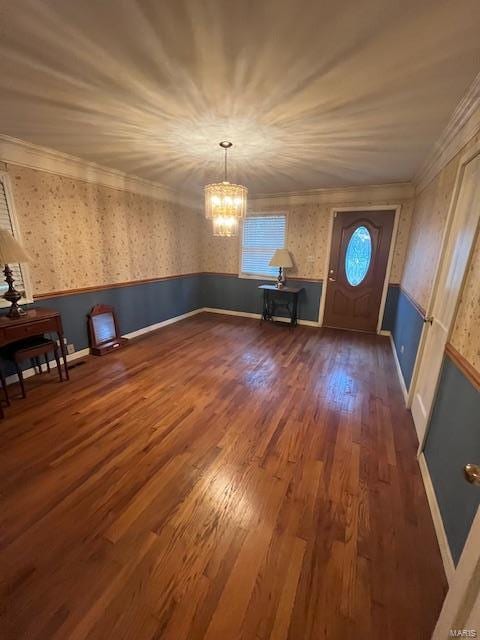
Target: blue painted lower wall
<point x="242" y="294"/>
<point x="145" y="304"/>
<point x="137" y="306"/>
<point x="405" y="322"/>
<point x="453" y="440"/>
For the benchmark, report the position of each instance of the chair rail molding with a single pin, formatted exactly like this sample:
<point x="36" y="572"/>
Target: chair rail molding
<point x="26" y="154"/>
<point x="464" y="123"/>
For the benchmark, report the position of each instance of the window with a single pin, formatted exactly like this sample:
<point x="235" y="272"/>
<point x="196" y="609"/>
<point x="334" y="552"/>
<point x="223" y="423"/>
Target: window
<point x="7" y="221"/>
<point x="358" y="256"/>
<point x="262" y="235"/>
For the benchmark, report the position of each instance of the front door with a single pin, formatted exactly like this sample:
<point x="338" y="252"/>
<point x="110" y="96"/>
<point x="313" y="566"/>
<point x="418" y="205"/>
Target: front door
<point x="358" y="264"/>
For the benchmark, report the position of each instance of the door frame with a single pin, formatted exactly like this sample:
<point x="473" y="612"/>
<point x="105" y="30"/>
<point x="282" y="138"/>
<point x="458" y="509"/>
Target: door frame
<point x="464" y="586"/>
<point x="467" y="157"/>
<point x="395" y="209"/>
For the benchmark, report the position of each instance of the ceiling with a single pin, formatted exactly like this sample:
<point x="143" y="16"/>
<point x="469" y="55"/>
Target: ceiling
<point x="312" y="93"/>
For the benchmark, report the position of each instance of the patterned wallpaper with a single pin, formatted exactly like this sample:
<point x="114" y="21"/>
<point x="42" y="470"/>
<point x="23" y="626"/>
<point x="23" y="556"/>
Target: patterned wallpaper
<point x="82" y="234"/>
<point x="428" y="223"/>
<point x="466" y="333"/>
<point x="307" y="241"/>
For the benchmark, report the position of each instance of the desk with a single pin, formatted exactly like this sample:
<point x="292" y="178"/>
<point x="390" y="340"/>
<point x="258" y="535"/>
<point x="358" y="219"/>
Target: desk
<point x="34" y="323"/>
<point x="284" y="298"/>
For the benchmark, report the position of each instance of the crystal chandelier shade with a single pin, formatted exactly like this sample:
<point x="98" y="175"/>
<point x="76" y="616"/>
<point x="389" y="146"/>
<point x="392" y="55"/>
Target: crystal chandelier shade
<point x="225" y="199"/>
<point x="225" y="203"/>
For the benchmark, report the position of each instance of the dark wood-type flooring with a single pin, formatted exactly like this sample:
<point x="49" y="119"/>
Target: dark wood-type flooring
<point x="219" y="480"/>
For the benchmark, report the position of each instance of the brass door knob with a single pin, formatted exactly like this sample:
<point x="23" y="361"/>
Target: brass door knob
<point x="472" y="473"/>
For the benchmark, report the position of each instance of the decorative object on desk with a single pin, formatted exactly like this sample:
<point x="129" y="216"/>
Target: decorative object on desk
<point x="225" y="203"/>
<point x="12" y="252"/>
<point x="281" y="259"/>
<point x="103" y="330"/>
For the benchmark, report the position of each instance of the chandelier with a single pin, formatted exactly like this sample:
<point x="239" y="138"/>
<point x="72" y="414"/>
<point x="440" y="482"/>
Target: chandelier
<point x="225" y="203"/>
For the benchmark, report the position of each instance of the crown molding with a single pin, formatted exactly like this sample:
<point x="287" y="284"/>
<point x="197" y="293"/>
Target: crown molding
<point x="464" y="123"/>
<point x="26" y="154"/>
<point x="368" y="194"/>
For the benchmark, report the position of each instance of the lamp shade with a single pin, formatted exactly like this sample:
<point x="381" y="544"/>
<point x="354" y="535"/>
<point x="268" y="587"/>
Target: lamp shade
<point x="281" y="258"/>
<point x="11" y="251"/>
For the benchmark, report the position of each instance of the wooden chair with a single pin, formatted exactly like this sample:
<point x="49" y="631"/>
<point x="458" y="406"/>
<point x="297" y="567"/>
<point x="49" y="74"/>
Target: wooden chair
<point x="32" y="350"/>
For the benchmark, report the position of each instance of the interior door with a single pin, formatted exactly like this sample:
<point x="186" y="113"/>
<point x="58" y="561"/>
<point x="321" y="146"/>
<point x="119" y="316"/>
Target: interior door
<point x="460" y="615"/>
<point x="455" y="257"/>
<point x="358" y="264"/>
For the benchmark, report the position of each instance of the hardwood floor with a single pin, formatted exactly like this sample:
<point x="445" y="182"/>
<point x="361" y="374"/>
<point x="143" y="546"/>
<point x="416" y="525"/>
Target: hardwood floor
<point x="218" y="480"/>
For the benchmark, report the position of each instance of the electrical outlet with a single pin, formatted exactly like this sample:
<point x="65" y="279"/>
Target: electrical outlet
<point x="70" y="348"/>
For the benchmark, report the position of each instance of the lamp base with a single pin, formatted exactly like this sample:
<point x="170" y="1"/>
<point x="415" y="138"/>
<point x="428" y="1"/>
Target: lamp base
<point x="16" y="312"/>
<point x="12" y="295"/>
<point x="281" y="281"/>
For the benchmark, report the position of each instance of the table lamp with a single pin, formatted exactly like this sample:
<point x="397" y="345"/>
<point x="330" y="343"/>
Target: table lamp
<point x="281" y="259"/>
<point x="12" y="252"/>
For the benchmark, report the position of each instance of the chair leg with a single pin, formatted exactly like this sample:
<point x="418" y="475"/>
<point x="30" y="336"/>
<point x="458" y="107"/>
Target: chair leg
<point x="39" y="364"/>
<point x="20" y="379"/>
<point x="59" y="366"/>
<point x="4" y="388"/>
<point x="48" y="362"/>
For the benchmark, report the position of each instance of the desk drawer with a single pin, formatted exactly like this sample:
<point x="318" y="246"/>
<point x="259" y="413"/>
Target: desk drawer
<point x="21" y="331"/>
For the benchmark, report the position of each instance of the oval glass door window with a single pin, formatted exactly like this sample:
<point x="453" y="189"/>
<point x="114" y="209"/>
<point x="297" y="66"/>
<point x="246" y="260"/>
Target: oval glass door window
<point x="358" y="256"/>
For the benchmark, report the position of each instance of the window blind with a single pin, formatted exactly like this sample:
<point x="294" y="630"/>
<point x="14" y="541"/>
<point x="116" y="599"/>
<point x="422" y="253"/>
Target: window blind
<point x="6" y="223"/>
<point x="262" y="235"/>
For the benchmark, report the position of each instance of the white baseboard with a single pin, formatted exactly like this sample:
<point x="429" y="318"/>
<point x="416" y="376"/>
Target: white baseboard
<point x="227" y="312"/>
<point x="159" y="325"/>
<point x="28" y="373"/>
<point x="448" y="563"/>
<point x="257" y="316"/>
<point x="447" y="559"/>
<point x="397" y="365"/>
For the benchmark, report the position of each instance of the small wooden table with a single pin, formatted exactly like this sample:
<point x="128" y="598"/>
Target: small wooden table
<point x="34" y="323"/>
<point x="283" y="298"/>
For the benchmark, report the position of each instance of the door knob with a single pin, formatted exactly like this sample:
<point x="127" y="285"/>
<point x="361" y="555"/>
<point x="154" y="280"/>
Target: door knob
<point x="472" y="473"/>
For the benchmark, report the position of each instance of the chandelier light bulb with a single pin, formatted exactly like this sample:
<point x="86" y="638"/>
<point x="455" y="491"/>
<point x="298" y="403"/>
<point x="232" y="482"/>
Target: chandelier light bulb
<point x="226" y="202"/>
<point x="225" y="226"/>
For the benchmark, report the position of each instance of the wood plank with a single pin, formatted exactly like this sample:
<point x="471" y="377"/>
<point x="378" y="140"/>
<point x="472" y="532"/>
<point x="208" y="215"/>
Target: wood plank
<point x="218" y="479"/>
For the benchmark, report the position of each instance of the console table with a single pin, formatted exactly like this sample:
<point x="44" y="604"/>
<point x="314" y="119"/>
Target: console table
<point x="285" y="298"/>
<point x="34" y="323"/>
